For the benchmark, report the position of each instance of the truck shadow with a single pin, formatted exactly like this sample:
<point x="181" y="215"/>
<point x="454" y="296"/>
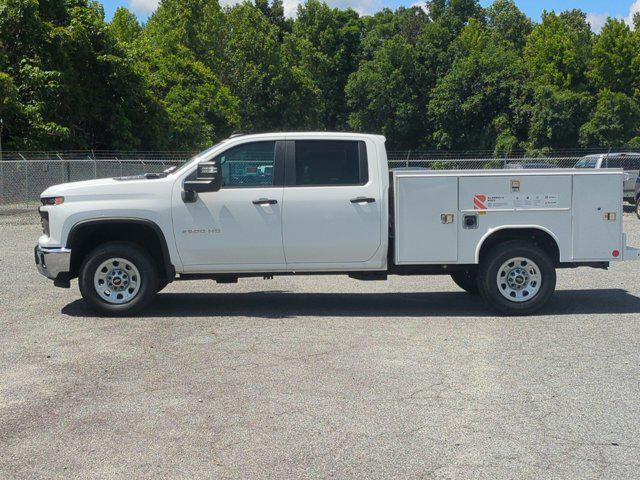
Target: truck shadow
<point x="279" y="304"/>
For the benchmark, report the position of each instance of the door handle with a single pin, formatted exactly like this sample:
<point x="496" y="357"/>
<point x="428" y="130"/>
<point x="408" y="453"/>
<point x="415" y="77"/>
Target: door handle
<point x="264" y="201"/>
<point x="363" y="200"/>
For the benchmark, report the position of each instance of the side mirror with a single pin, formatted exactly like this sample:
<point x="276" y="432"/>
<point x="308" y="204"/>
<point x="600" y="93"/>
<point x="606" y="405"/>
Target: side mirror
<point x="208" y="179"/>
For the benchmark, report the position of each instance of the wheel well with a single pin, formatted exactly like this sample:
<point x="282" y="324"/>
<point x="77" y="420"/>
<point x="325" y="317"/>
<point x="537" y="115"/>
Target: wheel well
<point x="533" y="235"/>
<point x="85" y="236"/>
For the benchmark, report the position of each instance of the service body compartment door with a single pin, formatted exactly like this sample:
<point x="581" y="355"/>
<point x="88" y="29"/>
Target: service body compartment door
<point x="594" y="196"/>
<point x="422" y="234"/>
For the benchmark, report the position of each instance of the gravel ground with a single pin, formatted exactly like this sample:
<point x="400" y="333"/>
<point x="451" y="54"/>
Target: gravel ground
<point x="318" y="377"/>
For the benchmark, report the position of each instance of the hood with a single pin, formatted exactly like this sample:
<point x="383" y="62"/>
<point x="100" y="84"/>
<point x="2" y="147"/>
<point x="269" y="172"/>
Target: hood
<point x="102" y="187"/>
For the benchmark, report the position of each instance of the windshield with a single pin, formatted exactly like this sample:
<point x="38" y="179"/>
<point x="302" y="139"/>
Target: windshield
<point x="586" y="162"/>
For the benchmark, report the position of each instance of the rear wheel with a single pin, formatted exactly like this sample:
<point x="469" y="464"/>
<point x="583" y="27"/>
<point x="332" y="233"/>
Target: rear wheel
<point x="118" y="278"/>
<point x="638" y="207"/>
<point x="466" y="280"/>
<point x="516" y="278"/>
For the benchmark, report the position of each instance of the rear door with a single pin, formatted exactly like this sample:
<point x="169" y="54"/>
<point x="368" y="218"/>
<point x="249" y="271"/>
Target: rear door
<point x="332" y="201"/>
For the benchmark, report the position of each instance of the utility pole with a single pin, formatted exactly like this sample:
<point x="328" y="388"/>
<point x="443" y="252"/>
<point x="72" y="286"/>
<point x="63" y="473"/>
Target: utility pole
<point x="1" y="125"/>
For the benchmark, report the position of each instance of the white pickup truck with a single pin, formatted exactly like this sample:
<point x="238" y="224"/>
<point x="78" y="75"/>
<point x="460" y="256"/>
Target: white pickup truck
<point x="326" y="203"/>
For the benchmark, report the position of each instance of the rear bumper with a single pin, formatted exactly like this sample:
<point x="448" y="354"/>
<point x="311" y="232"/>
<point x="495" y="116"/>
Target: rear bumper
<point x="631" y="253"/>
<point x="52" y="262"/>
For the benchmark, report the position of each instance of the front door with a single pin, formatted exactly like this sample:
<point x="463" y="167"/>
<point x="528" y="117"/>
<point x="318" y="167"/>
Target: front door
<point x="238" y="228"/>
<point x="332" y="203"/>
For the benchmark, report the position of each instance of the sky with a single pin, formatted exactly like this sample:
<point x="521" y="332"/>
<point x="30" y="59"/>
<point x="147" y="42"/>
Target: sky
<point x="597" y="10"/>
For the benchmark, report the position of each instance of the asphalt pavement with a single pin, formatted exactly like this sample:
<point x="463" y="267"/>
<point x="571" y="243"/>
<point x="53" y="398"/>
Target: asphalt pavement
<point x="316" y="377"/>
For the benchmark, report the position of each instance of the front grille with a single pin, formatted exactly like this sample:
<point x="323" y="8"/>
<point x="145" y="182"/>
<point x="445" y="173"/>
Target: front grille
<point x="44" y="220"/>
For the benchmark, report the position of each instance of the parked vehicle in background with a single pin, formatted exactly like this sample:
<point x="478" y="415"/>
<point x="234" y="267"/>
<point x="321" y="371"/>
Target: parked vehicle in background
<point x="628" y="161"/>
<point x="328" y="205"/>
<point x="528" y="165"/>
<point x="637" y="197"/>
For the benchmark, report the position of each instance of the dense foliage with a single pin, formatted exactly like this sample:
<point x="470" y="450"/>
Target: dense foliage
<point x="457" y="77"/>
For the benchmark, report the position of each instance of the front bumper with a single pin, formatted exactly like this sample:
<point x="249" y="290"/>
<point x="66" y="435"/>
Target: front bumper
<point x="53" y="262"/>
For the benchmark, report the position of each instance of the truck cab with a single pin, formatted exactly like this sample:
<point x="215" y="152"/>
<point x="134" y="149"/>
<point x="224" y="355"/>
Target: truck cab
<point x="318" y="203"/>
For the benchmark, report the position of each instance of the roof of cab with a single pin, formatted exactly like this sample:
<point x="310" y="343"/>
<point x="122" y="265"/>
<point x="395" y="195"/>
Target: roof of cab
<point x="306" y="135"/>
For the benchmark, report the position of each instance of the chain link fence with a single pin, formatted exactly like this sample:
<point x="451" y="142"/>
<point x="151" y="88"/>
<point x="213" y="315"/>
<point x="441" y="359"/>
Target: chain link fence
<point x="24" y="175"/>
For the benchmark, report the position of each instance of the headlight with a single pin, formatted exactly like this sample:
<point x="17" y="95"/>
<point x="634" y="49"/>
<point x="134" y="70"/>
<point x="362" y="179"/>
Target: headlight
<point x="52" y="200"/>
<point x="44" y="220"/>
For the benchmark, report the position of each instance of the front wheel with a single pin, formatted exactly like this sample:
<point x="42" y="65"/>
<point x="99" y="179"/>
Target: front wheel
<point x="118" y="278"/>
<point x="517" y="278"/>
<point x="638" y="207"/>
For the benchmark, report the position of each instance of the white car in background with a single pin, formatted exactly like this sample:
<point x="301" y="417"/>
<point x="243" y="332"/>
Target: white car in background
<point x="629" y="162"/>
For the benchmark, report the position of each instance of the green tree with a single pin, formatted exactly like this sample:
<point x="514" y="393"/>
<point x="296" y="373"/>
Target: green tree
<point x="30" y="91"/>
<point x="274" y="12"/>
<point x="455" y="14"/>
<point x="385" y="24"/>
<point x="380" y="96"/>
<point x="472" y="105"/>
<point x="124" y="26"/>
<point x="558" y="50"/>
<point x="76" y="86"/>
<point x="199" y="109"/>
<point x="611" y="62"/>
<point x="326" y="43"/>
<point x="453" y="75"/>
<point x="508" y="23"/>
<point x="197" y="25"/>
<point x="259" y="71"/>
<point x="556" y="117"/>
<point x="615" y="121"/>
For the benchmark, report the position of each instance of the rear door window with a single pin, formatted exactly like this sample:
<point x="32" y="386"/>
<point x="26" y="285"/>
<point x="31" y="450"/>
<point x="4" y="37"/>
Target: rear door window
<point x="612" y="162"/>
<point x="328" y="163"/>
<point x="627" y="162"/>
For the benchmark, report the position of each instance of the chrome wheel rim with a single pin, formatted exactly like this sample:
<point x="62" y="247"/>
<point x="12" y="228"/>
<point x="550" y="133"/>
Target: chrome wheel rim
<point x="117" y="281"/>
<point x="519" y="279"/>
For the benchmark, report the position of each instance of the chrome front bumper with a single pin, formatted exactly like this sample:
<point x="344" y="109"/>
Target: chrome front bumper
<point x="52" y="261"/>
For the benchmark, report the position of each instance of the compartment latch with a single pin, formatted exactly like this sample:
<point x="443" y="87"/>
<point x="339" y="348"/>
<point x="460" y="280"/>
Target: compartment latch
<point x="446" y="218"/>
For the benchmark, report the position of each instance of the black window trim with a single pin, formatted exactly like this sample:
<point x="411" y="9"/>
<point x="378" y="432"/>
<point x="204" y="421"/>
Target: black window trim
<point x="278" y="165"/>
<point x="290" y="163"/>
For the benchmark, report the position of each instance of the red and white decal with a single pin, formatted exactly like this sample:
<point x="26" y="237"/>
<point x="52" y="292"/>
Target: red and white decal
<point x="479" y="202"/>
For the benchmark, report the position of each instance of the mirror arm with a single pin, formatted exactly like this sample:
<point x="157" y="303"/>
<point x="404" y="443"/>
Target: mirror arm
<point x="189" y="196"/>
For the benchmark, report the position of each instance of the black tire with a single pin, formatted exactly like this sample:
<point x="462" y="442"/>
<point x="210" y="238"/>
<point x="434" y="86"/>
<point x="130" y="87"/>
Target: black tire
<point x="466" y="280"/>
<point x="493" y="262"/>
<point x="638" y="207"/>
<point x="148" y="281"/>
